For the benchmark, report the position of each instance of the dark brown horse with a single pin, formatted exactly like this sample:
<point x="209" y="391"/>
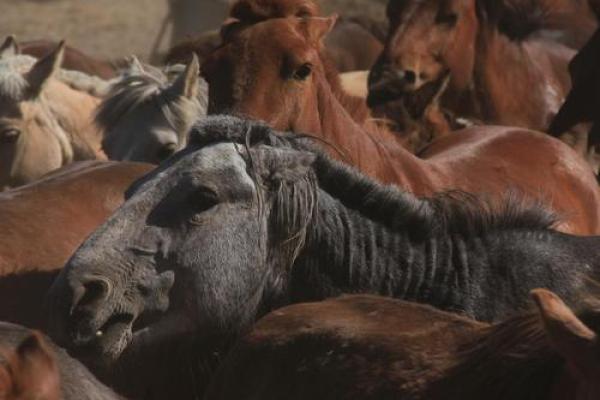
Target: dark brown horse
<point x="583" y="102"/>
<point x="274" y="71"/>
<point x="366" y="347"/>
<point x="501" y="71"/>
<point x="74" y="59"/>
<point x="42" y="224"/>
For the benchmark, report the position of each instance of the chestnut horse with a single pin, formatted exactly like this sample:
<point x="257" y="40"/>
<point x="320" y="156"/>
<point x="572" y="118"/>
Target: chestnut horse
<point x="367" y="347"/>
<point x="501" y="72"/>
<point x="46" y="116"/>
<point x="583" y="102"/>
<point x="43" y="223"/>
<point x="74" y="59"/>
<point x="34" y="368"/>
<point x="274" y="71"/>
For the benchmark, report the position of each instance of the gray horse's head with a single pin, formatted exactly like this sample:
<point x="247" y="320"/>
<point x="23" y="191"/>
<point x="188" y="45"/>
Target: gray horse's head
<point x="204" y="241"/>
<point x="148" y="113"/>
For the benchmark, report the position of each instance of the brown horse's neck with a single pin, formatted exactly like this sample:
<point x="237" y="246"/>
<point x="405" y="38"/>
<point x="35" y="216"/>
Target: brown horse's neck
<point x="376" y="151"/>
<point x="513" y="360"/>
<point x="507" y="71"/>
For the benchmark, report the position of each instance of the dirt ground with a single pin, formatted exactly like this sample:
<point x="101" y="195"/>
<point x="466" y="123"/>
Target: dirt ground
<point x="116" y="28"/>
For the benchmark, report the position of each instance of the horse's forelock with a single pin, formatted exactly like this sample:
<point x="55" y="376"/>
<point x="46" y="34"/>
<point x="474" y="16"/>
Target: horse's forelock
<point x="13" y="86"/>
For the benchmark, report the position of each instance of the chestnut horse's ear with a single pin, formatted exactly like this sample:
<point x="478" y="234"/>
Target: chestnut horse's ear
<point x="33" y="371"/>
<point x="317" y="28"/>
<point x="277" y="165"/>
<point x="10" y="47"/>
<point x="44" y="69"/>
<point x="187" y="85"/>
<point x="570" y="337"/>
<point x="6" y="383"/>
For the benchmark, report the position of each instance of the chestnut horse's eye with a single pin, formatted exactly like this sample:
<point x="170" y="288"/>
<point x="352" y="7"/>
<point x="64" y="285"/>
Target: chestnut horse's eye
<point x="446" y="19"/>
<point x="302" y="72"/>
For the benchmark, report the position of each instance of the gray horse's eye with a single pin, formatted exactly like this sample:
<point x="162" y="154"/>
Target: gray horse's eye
<point x="202" y="199"/>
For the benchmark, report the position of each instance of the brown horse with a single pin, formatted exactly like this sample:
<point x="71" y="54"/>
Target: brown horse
<point x="583" y="102"/>
<point x="46" y="116"/>
<point x="367" y="347"/>
<point x="43" y="223"/>
<point x="501" y="71"/>
<point x="34" y="368"/>
<point x="201" y="45"/>
<point x="30" y="372"/>
<point x="74" y="59"/>
<point x="274" y="71"/>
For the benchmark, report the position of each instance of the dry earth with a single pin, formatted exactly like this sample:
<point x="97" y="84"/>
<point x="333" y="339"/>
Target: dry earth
<point x="116" y="28"/>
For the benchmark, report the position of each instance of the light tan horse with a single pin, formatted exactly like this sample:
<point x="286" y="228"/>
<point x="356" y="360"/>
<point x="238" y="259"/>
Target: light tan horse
<point x="46" y="116"/>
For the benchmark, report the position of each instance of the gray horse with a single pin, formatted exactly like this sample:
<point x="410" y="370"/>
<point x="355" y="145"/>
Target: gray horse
<point x="246" y="220"/>
<point x="148" y="112"/>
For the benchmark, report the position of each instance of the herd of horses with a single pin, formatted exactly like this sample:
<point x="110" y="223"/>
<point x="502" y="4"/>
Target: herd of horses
<point x="306" y="206"/>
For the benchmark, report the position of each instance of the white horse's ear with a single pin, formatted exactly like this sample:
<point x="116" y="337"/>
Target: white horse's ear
<point x="187" y="83"/>
<point x="10" y="47"/>
<point x="44" y="69"/>
<point x="571" y="338"/>
<point x="276" y="165"/>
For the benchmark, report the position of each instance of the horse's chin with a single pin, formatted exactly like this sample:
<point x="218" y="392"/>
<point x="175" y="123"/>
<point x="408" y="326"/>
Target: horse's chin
<point x="108" y="346"/>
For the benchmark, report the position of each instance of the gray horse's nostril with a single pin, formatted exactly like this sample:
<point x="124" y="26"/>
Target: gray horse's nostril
<point x="93" y="290"/>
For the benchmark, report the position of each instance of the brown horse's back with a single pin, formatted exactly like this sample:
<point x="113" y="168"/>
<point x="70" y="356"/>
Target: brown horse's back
<point x="41" y="224"/>
<point x="74" y="59"/>
<point x="507" y="150"/>
<point x="367" y="347"/>
<point x="345" y="348"/>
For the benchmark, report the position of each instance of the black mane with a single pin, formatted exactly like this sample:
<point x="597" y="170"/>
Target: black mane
<point x="452" y="212"/>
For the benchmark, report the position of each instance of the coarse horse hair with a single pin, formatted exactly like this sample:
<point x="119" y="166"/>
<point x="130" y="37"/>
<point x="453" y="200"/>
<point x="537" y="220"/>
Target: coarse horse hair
<point x="448" y="213"/>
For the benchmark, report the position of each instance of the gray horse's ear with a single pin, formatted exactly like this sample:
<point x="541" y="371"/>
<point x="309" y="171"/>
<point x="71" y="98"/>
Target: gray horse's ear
<point x="282" y="165"/>
<point x="571" y="338"/>
<point x="135" y="66"/>
<point x="44" y="69"/>
<point x="187" y="83"/>
<point x="10" y="47"/>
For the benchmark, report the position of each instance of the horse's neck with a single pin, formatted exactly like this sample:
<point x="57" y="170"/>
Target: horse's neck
<point x="375" y="151"/>
<point x="346" y="252"/>
<point x="74" y="112"/>
<point x="506" y="72"/>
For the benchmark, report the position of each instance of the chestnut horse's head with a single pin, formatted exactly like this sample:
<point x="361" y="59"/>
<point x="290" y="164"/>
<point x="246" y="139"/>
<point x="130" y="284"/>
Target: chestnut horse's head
<point x="427" y="40"/>
<point x="270" y="71"/>
<point x="244" y="13"/>
<point x="31" y="372"/>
